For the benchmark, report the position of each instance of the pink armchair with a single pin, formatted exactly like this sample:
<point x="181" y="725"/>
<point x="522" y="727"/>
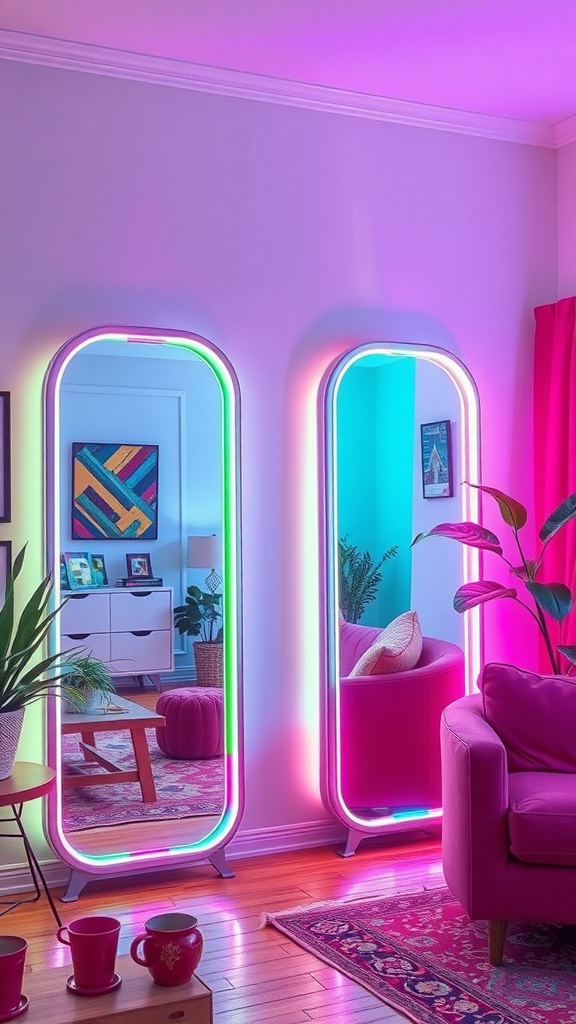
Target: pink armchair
<point x="390" y="745"/>
<point x="509" y="799"/>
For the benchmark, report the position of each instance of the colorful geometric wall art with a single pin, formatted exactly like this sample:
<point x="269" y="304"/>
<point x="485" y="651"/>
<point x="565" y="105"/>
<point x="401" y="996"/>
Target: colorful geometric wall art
<point x="114" y="491"/>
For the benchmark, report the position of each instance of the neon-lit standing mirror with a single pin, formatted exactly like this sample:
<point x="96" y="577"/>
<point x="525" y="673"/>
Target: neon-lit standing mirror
<point x="373" y="402"/>
<point x="166" y="405"/>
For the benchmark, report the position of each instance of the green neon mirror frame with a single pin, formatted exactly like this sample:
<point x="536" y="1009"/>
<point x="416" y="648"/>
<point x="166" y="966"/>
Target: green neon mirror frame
<point x="212" y="845"/>
<point x="330" y="432"/>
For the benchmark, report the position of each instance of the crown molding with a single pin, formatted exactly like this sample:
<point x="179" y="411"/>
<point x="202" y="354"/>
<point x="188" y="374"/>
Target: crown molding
<point x="565" y="132"/>
<point x="100" y="60"/>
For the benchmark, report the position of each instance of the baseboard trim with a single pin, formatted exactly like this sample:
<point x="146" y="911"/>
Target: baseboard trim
<point x="15" y="878"/>
<point x="284" y="838"/>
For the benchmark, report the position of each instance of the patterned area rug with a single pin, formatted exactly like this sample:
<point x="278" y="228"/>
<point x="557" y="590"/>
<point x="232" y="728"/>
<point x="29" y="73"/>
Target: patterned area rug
<point x="185" y="789"/>
<point x="421" y="954"/>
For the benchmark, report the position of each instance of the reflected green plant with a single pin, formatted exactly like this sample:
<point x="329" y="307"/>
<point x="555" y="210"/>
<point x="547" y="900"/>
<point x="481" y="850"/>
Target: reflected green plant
<point x="359" y="578"/>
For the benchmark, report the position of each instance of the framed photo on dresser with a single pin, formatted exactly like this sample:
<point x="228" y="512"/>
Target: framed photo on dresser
<point x="139" y="566"/>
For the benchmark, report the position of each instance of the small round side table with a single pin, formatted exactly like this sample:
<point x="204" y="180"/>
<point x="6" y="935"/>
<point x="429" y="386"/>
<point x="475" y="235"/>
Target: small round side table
<point x="27" y="782"/>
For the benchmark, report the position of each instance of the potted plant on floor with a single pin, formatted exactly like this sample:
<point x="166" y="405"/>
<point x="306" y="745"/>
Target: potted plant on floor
<point x="24" y="679"/>
<point x="201" y="615"/>
<point x="359" y="578"/>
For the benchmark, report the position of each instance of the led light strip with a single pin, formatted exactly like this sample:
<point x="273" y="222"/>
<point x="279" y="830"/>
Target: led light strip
<point x="234" y="791"/>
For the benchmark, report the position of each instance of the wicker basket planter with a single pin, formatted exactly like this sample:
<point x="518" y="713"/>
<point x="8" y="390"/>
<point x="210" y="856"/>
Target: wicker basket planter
<point x="208" y="656"/>
<point x="10" y="729"/>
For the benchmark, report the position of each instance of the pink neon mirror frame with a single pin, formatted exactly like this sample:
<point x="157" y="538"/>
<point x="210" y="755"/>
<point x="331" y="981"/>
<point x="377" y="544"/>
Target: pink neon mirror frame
<point x="359" y="822"/>
<point x="211" y="846"/>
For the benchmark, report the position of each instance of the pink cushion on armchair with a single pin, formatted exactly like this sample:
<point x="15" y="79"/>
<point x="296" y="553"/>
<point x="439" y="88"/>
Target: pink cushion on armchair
<point x="534" y="716"/>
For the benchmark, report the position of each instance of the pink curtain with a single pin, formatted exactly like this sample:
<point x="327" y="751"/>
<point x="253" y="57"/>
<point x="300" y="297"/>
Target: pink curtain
<point x="555" y="444"/>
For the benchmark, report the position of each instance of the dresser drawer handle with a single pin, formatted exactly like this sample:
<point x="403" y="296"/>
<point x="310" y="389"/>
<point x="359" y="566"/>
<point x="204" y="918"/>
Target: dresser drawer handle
<point x="141" y="632"/>
<point x="140" y="593"/>
<point x="77" y="597"/>
<point x="78" y="636"/>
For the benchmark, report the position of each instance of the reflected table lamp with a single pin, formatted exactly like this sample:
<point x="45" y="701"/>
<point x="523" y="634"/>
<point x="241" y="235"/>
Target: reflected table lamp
<point x="206" y="553"/>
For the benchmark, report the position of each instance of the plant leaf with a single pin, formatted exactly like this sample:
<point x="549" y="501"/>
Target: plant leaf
<point x="568" y="652"/>
<point x="467" y="533"/>
<point x="559" y="517"/>
<point x="472" y="594"/>
<point x="553" y="598"/>
<point x="513" y="513"/>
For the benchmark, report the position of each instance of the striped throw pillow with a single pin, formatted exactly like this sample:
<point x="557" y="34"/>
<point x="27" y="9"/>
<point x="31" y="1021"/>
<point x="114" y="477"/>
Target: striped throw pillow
<point x="396" y="649"/>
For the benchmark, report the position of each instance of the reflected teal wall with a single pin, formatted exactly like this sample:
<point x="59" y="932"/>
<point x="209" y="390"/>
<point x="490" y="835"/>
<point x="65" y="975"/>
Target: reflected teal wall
<point x="376" y="472"/>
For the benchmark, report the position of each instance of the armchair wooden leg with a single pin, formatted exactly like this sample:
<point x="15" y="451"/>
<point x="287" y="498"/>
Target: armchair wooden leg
<point x="496" y="936"/>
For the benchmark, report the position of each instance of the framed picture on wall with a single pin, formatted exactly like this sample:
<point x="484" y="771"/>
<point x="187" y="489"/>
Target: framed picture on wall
<point x="5" y="566"/>
<point x="436" y="459"/>
<point x="114" y="491"/>
<point x="139" y="566"/>
<point x="5" y="459"/>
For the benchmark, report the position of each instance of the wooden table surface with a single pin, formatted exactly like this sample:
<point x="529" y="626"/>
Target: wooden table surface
<point x="103" y="720"/>
<point x="137" y="1001"/>
<point x="129" y="716"/>
<point x="28" y="781"/>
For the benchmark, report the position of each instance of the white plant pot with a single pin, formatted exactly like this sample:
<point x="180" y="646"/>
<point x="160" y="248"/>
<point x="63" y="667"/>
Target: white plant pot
<point x="95" y="699"/>
<point x="10" y="729"/>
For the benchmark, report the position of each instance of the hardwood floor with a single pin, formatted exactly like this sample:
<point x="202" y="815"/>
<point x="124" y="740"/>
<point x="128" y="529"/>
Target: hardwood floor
<point x="256" y="974"/>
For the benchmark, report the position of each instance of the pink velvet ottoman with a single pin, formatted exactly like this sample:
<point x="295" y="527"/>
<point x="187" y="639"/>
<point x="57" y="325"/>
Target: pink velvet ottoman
<point x="194" y="727"/>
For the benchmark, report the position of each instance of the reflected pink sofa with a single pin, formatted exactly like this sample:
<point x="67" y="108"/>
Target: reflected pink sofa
<point x="390" y="724"/>
<point x="509" y="828"/>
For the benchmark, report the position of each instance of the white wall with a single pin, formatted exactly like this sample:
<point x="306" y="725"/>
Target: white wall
<point x="285" y="236"/>
<point x="436" y="562"/>
<point x="567" y="220"/>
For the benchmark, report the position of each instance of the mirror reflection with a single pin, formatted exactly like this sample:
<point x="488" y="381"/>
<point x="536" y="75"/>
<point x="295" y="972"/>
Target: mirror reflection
<point x="397" y="469"/>
<point x="141" y="514"/>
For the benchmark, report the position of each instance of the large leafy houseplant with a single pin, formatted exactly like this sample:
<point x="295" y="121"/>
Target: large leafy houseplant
<point x="359" y="578"/>
<point x="548" y="599"/>
<point x="26" y="676"/>
<point x="200" y="615"/>
<point x="23" y="679"/>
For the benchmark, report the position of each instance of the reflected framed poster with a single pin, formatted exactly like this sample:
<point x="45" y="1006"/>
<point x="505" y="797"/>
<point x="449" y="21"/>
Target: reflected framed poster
<point x="436" y="455"/>
<point x="114" y="491"/>
<point x="5" y="460"/>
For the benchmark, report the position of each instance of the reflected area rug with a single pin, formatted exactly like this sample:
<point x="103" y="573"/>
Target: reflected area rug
<point x="185" y="789"/>
<point x="420" y="954"/>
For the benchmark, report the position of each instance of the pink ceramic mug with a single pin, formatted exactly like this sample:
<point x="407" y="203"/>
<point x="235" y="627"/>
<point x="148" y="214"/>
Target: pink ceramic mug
<point x="93" y="944"/>
<point x="171" y="947"/>
<point x="12" y="957"/>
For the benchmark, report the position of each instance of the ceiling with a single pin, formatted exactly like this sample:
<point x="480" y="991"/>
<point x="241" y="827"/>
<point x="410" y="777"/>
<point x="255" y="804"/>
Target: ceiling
<point x="503" y="58"/>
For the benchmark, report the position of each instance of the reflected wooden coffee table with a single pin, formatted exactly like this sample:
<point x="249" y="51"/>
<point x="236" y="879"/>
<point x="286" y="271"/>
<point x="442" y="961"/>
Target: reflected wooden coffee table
<point x="120" y="714"/>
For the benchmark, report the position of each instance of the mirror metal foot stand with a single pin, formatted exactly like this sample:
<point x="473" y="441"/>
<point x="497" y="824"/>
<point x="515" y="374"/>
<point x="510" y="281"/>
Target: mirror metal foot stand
<point x="76" y="882"/>
<point x="218" y="861"/>
<point x="79" y="879"/>
<point x="351" y="845"/>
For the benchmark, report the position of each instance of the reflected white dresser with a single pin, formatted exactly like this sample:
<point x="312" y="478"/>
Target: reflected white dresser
<point x="129" y="629"/>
